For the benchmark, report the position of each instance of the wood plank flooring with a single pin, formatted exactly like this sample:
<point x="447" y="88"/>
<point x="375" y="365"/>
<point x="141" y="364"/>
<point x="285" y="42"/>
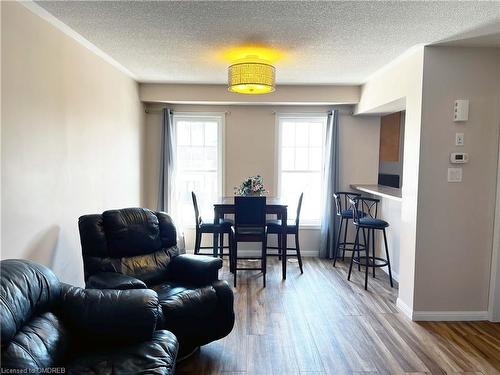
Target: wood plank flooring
<point x="319" y="323"/>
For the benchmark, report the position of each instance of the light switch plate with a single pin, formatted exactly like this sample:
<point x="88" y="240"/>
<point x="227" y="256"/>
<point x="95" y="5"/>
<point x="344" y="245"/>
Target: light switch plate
<point x="454" y="174"/>
<point x="459" y="139"/>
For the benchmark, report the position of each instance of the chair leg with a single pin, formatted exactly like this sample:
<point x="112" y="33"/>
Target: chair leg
<point x="197" y="242"/>
<point x="231" y="252"/>
<point x="356" y="246"/>
<point x="297" y="247"/>
<point x="279" y="246"/>
<point x="337" y="246"/>
<point x="221" y="248"/>
<point x="345" y="239"/>
<point x="388" y="260"/>
<point x="373" y="252"/>
<point x="235" y="262"/>
<point x="264" y="259"/>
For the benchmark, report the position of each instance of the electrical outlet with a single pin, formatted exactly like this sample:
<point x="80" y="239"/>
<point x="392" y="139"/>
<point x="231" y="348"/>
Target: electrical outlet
<point x="459" y="139"/>
<point x="454" y="174"/>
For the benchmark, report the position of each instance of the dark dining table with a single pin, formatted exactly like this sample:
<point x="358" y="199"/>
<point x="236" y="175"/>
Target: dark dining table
<point x="274" y="206"/>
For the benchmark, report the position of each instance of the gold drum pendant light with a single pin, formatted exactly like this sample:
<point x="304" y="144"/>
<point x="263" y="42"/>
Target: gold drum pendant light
<point x="251" y="77"/>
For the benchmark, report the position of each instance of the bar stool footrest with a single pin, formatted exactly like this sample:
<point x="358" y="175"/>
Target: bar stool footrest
<point x="361" y="261"/>
<point x="342" y="246"/>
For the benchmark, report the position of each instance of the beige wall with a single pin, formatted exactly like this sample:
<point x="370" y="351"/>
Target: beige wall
<point x="395" y="88"/>
<point x="456" y="219"/>
<point x="253" y="127"/>
<point x="71" y="141"/>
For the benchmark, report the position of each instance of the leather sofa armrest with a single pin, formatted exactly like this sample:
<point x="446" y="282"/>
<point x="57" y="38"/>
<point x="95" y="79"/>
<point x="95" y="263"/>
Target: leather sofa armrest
<point x="110" y="316"/>
<point x="195" y="269"/>
<point x="114" y="280"/>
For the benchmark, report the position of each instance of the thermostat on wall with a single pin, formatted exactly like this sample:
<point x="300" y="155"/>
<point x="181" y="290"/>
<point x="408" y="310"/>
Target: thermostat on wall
<point x="459" y="157"/>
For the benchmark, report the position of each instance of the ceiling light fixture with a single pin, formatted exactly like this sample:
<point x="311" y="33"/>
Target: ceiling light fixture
<point x="251" y="76"/>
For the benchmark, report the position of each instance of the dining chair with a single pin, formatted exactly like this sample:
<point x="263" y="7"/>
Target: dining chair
<point x="216" y="229"/>
<point x="249" y="226"/>
<point x="292" y="227"/>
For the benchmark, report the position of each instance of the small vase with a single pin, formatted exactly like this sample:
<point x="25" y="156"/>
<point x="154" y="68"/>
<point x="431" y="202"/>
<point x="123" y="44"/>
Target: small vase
<point x="253" y="194"/>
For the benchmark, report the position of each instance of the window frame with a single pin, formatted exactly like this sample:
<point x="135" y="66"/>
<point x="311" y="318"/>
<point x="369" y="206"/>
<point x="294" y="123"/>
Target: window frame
<point x="278" y="170"/>
<point x="220" y="118"/>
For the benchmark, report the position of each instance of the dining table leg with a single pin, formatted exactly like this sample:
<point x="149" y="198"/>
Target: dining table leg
<point x="217" y="217"/>
<point x="283" y="242"/>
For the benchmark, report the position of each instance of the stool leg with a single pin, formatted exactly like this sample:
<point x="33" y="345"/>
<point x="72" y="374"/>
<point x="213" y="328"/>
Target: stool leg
<point x="373" y="252"/>
<point x="364" y="241"/>
<point x="338" y="241"/>
<point x="297" y="247"/>
<point x="368" y="242"/>
<point x="388" y="260"/>
<point x="345" y="239"/>
<point x="367" y="259"/>
<point x="356" y="246"/>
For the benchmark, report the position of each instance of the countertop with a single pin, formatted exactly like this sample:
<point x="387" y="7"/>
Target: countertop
<point x="379" y="190"/>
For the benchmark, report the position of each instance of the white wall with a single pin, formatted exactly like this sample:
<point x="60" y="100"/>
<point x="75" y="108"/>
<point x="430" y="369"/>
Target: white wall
<point x="253" y="127"/>
<point x="71" y="141"/>
<point x="456" y="219"/>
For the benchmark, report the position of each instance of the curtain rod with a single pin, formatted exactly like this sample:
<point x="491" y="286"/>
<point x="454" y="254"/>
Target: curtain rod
<point x="159" y="110"/>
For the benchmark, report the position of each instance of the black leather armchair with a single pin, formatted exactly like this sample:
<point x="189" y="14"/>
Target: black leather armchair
<point x="47" y="324"/>
<point x="136" y="248"/>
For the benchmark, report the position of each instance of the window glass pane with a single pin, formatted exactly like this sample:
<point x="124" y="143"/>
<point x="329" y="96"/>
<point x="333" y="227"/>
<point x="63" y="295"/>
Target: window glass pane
<point x="211" y="133"/>
<point x="288" y="134"/>
<point x="197" y="134"/>
<point x="288" y="158"/>
<point x="210" y="158"/>
<point x="315" y="135"/>
<point x="301" y="158"/>
<point x="183" y="130"/>
<point x="302" y="134"/>
<point x="315" y="158"/>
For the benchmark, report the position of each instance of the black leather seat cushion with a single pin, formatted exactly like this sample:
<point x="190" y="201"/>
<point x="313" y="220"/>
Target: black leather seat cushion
<point x="223" y="226"/>
<point x="183" y="301"/>
<point x="274" y="226"/>
<point x="370" y="222"/>
<point x="156" y="356"/>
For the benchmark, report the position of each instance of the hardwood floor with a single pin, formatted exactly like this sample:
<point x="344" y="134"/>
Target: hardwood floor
<point x="319" y="323"/>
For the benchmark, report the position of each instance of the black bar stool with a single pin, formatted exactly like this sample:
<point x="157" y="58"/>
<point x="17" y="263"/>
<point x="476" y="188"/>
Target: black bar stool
<point x="292" y="227"/>
<point x="344" y="211"/>
<point x="365" y="217"/>
<point x="224" y="226"/>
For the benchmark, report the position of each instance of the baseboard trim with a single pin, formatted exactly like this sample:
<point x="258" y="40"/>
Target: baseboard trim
<point x="440" y="316"/>
<point x="449" y="316"/>
<point x="404" y="308"/>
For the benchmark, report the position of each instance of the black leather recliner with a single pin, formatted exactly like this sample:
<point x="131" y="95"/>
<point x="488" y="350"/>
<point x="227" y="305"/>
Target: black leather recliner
<point x="52" y="327"/>
<point x="136" y="248"/>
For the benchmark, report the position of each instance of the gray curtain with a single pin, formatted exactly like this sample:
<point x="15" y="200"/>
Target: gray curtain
<point x="329" y="222"/>
<point x="166" y="161"/>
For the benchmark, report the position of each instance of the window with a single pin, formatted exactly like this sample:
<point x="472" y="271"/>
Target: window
<point x="198" y="158"/>
<point x="301" y="163"/>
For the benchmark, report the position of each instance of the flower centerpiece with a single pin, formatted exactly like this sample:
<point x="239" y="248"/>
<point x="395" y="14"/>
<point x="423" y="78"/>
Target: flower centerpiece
<point x="252" y="186"/>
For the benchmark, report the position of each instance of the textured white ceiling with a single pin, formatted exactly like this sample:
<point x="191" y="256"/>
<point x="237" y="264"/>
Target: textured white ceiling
<point x="327" y="42"/>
